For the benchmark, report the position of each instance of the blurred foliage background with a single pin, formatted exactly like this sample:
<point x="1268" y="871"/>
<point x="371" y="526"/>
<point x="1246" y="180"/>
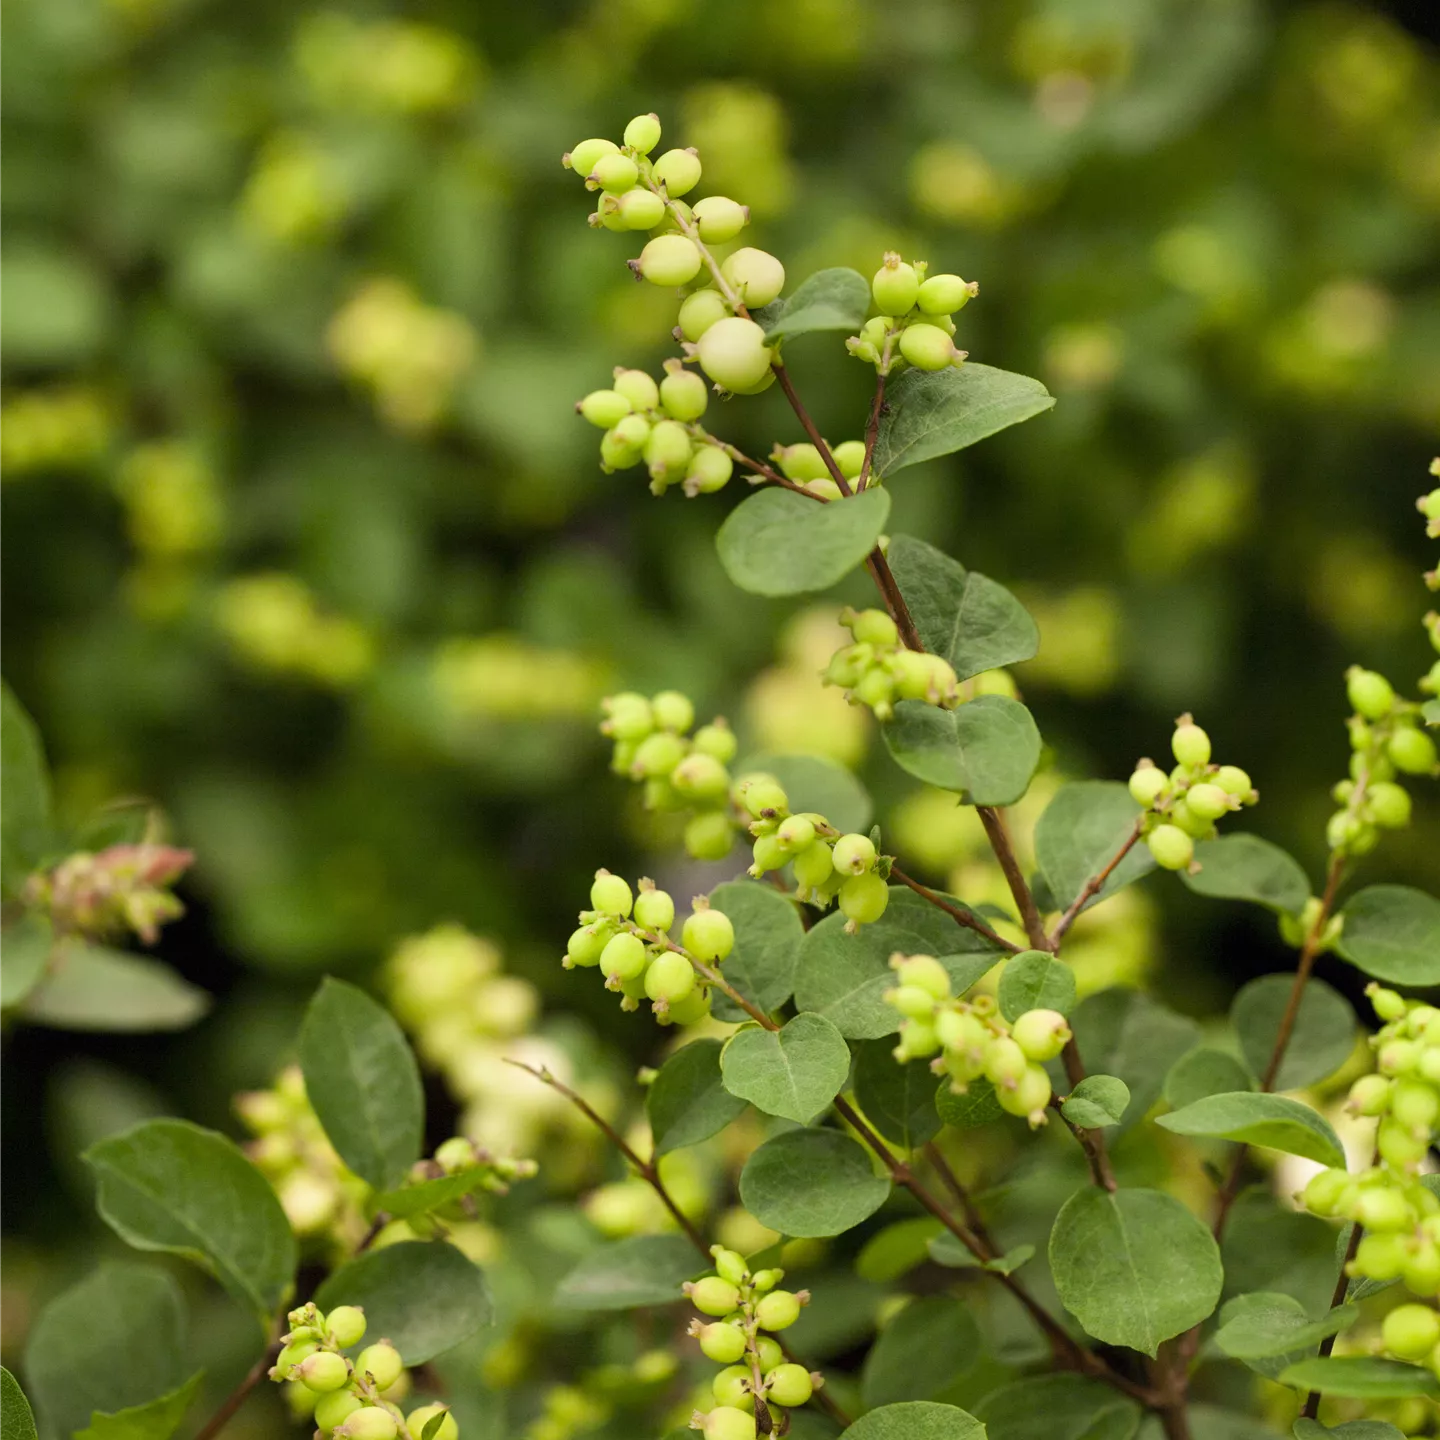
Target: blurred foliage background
<point x="303" y="541"/>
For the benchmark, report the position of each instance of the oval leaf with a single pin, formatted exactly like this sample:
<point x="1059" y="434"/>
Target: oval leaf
<point x="425" y="1296"/>
<point x="1081" y="831"/>
<point x="811" y="1183"/>
<point x="362" y="1079"/>
<point x="898" y="1100"/>
<point x="777" y="542"/>
<point x="1361" y="1377"/>
<point x="1033" y="980"/>
<point x="916" y="1420"/>
<point x="1393" y="933"/>
<point x="921" y="1352"/>
<point x="24" y="794"/>
<point x="643" y="1270"/>
<point x="687" y="1101"/>
<point x="170" y="1185"/>
<point x="1097" y="1101"/>
<point x="155" y="1420"/>
<point x="16" y="1421"/>
<point x="1204" y="1072"/>
<point x="1321" y="1042"/>
<point x="1274" y="1122"/>
<point x="91" y="987"/>
<point x="1245" y="867"/>
<point x="811" y="782"/>
<point x="1134" y="1267"/>
<point x="427" y="1195"/>
<point x="768" y="932"/>
<point x="794" y="1072"/>
<point x="896" y="1250"/>
<point x="986" y="750"/>
<point x="1266" y="1323"/>
<point x="24" y="953"/>
<point x="1058" y="1407"/>
<point x="1129" y="1035"/>
<point x="834" y="299"/>
<point x="936" y="413"/>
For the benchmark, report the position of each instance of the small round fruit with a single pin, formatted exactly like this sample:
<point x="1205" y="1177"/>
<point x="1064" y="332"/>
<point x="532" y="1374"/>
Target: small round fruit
<point x="1148" y="784"/>
<point x="605" y="408"/>
<point x="926" y="973"/>
<point x="722" y="1343"/>
<point x="684" y="395"/>
<point x="1411" y="1332"/>
<point x="678" y="171"/>
<point x="585" y="945"/>
<point x="700" y="777"/>
<point x="756" y="275"/>
<point x="1190" y="744"/>
<point x="1324" y="1190"/>
<point x="323" y="1371"/>
<point x="370" y="1422"/>
<point x="667" y="450"/>
<point x="853" y="855"/>
<point x="691" y="1010"/>
<point x="615" y="173"/>
<point x="718" y="740"/>
<point x="927" y="347"/>
<point x="732" y="1386"/>
<point x="724" y="1422"/>
<point x="1029" y="1097"/>
<point x="733" y="353"/>
<point x="1207" y="802"/>
<point x="800" y="462"/>
<point x="1369" y="692"/>
<point x="1171" y="847"/>
<point x="699" y="311"/>
<point x="850" y="457"/>
<point x="719" y="218"/>
<point x="765" y="798"/>
<point x="709" y="936"/>
<point x="670" y="260"/>
<point x="333" y="1409"/>
<point x="795" y="834"/>
<point x="583" y="157"/>
<point x="455" y="1155"/>
<point x="292" y="1355"/>
<point x="1005" y="1063"/>
<point x="624" y="957"/>
<point x="643" y="133"/>
<point x="417" y="1420"/>
<point x="714" y="1296"/>
<point x="710" y="470"/>
<point x="709" y="835"/>
<point x="1411" y="751"/>
<point x="640" y="209"/>
<point x="874" y="627"/>
<point x="611" y="895"/>
<point x="789" y="1385"/>
<point x="814" y="865"/>
<point x="945" y="294"/>
<point x="381" y="1362"/>
<point x="896" y="285"/>
<point x="863" y="898"/>
<point x="1041" y="1034"/>
<point x="1234" y="781"/>
<point x="654" y="910"/>
<point x="638" y="388"/>
<point x="669" y="979"/>
<point x="778" y="1310"/>
<point x="1388" y="805"/>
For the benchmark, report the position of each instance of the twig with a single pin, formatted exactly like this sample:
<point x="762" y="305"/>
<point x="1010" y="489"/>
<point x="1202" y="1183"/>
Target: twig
<point x="994" y="822"/>
<point x="1092" y="1142"/>
<point x="1092" y="887"/>
<point x="953" y="1183"/>
<point x="957" y="913"/>
<point x="236" y="1398"/>
<point x="1342" y="1288"/>
<point x="872" y="430"/>
<point x="816" y="439"/>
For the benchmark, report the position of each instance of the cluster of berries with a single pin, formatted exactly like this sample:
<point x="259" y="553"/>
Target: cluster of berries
<point x="970" y="1040"/>
<point x="757" y="1378"/>
<point x="877" y="670"/>
<point x="107" y="893"/>
<point x="804" y="465"/>
<point x="914" y="325"/>
<point x="460" y="1155"/>
<point x="352" y="1399"/>
<point x="628" y="937"/>
<point x="1182" y="806"/>
<point x="659" y="425"/>
<point x="568" y="1412"/>
<point x="1429" y="507"/>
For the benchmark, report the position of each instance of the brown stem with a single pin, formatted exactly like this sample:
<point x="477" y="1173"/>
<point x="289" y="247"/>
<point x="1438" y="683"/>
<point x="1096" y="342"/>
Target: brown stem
<point x="957" y="913"/>
<point x="872" y="431"/>
<point x="953" y="1183"/>
<point x="994" y="822"/>
<point x="765" y="472"/>
<point x="236" y="1398"/>
<point x="816" y="439"/>
<point x="1311" y="1407"/>
<point x="1092" y="887"/>
<point x="1092" y="1142"/>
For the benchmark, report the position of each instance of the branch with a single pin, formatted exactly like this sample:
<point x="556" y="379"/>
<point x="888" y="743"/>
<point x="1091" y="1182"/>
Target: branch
<point x="994" y="822"/>
<point x="1342" y="1288"/>
<point x="1092" y="1142"/>
<point x="1092" y="887"/>
<point x="973" y="1217"/>
<point x="957" y="913"/>
<point x="236" y="1398"/>
<point x="872" y="428"/>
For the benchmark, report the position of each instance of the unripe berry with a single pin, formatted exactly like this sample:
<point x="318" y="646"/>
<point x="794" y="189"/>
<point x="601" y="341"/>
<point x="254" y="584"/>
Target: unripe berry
<point x="1370" y="693"/>
<point x="615" y="174"/>
<point x="610" y="895"/>
<point x="643" y="133"/>
<point x="912" y="1001"/>
<point x="1400" y="1147"/>
<point x="800" y="462"/>
<point x="454" y="1155"/>
<point x="795" y="834"/>
<point x="1041" y="1034"/>
<point x="700" y="777"/>
<point x="654" y="910"/>
<point x="1234" y="781"/>
<point x="709" y="936"/>
<point x="699" y="311"/>
<point x="733" y="353"/>
<point x="722" y="1343"/>
<point x="618" y="449"/>
<point x="638" y="388"/>
<point x="756" y="275"/>
<point x="768" y="854"/>
<point x="1207" y="802"/>
<point x="765" y="798"/>
<point x="718" y="740"/>
<point x="1190" y="744"/>
<point x="1387" y="1004"/>
<point x="1369" y="1095"/>
<point x="1411" y="751"/>
<point x="292" y="1355"/>
<point x="895" y="286"/>
<point x="640" y="209"/>
<point x="1380" y="1257"/>
<point x="928" y="347"/>
<point x="417" y="1420"/>
<point x="1388" y="805"/>
<point x="334" y="1408"/>
<point x="322" y="1371"/>
<point x="608" y="213"/>
<point x="732" y="1386"/>
<point x="871" y="627"/>
<point x="669" y="979"/>
<point x="709" y="836"/>
<point x="1324" y="1190"/>
<point x="710" y="470"/>
<point x="917" y="1037"/>
<point x="1421" y="1272"/>
<point x="369" y="1422"/>
<point x="684" y="394"/>
<point x="678" y="171"/>
<point x="1397" y="1057"/>
<point x="778" y="1310"/>
<point x="945" y="294"/>
<point x="789" y="1385"/>
<point x="670" y="260"/>
<point x="1029" y="1097"/>
<point x="713" y="1295"/>
<point x="604" y="408"/>
<point x="853" y="855"/>
<point x="1005" y="1063"/>
<point x="624" y="957"/>
<point x="730" y="1264"/>
<point x="863" y="898"/>
<point x="1172" y="848"/>
<point x="1382" y="1209"/>
<point x="627" y="716"/>
<point x="583" y="158"/>
<point x="924" y="972"/>
<point x="813" y="865"/>
<point x="922" y="676"/>
<point x="850" y="457"/>
<point x="1148" y="784"/>
<point x="667" y="450"/>
<point x="657" y="755"/>
<point x="381" y="1361"/>
<point x="720" y="218"/>
<point x="1411" y="1332"/>
<point x="1415" y="1104"/>
<point x="689" y="1011"/>
<point x="725" y="1422"/>
<point x="585" y="945"/>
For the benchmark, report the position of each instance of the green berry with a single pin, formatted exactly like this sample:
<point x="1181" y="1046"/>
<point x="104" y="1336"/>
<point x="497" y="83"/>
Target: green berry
<point x="417" y="1420"/>
<point x="381" y="1361"/>
<point x="292" y="1355"/>
<point x="709" y="835"/>
<point x="1234" y="781"/>
<point x="1421" y="1272"/>
<point x="1414" y="1103"/>
<point x="1206" y="801"/>
<point x="928" y="347"/>
<point x="643" y="133"/>
<point x="669" y="260"/>
<point x="1400" y="1147"/>
<point x="896" y="285"/>
<point x="850" y="457"/>
<point x="678" y="171"/>
<point x="583" y="158"/>
<point x="322" y="1371"/>
<point x="1148" y="784"/>
<point x="610" y="895"/>
<point x="710" y="470"/>
<point x="732" y="1386"/>
<point x="624" y="957"/>
<point x="725" y="1422"/>
<point x="923" y="677"/>
<point x="604" y="408"/>
<point x="1041" y="1034"/>
<point x="1388" y="805"/>
<point x="669" y="979"/>
<point x="1322" y="1194"/>
<point x="733" y="353"/>
<point x="637" y="387"/>
<point x="756" y="275"/>
<point x="667" y="451"/>
<point x="1381" y="1209"/>
<point x="657" y="755"/>
<point x="454" y="1155"/>
<point x="1411" y="751"/>
<point x="1380" y="1257"/>
<point x="640" y="209"/>
<point x="1172" y="848"/>
<point x="814" y="866"/>
<point x="618" y="453"/>
<point x="723" y="1343"/>
<point x="672" y="711"/>
<point x="770" y="1352"/>
<point x="795" y="834"/>
<point x="332" y="1409"/>
<point x="945" y="294"/>
<point x="615" y="174"/>
<point x="764" y="798"/>
<point x="874" y="627"/>
<point x="925" y="972"/>
<point x="768" y="854"/>
<point x="863" y="898"/>
<point x="778" y="1310"/>
<point x="699" y="311"/>
<point x="912" y="1001"/>
<point x="1370" y="693"/>
<point x="1029" y="1096"/>
<point x="684" y="395"/>
<point x="654" y="910"/>
<point x="627" y="716"/>
<point x="700" y="777"/>
<point x="1005" y="1062"/>
<point x="709" y="936"/>
<point x="689" y="1011"/>
<point x="1190" y="744"/>
<point x="789" y="1385"/>
<point x="720" y="218"/>
<point x="584" y="946"/>
<point x="713" y="1295"/>
<point x="800" y="462"/>
<point x="1411" y="1332"/>
<point x="369" y="1422"/>
<point x="853" y="855"/>
<point x="717" y="739"/>
<point x="1369" y="1095"/>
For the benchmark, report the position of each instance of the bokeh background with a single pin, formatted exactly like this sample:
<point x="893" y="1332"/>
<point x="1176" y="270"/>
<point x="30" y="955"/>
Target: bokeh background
<point x="303" y="542"/>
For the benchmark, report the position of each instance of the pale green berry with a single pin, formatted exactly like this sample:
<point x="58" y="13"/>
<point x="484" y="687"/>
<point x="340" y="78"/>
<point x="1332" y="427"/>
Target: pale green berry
<point x="669" y="260"/>
<point x="896" y="285"/>
<point x="725" y="1422"/>
<point x="1322" y="1194"/>
<point x="633" y="430"/>
<point x="795" y="834"/>
<point x="1369" y="1095"/>
<point x="1382" y="1209"/>
<point x="1005" y="1062"/>
<point x="637" y="387"/>
<point x="700" y="777"/>
<point x="334" y="1408"/>
<point x="789" y="1385"/>
<point x="778" y="1310"/>
<point x="928" y="347"/>
<point x="610" y="895"/>
<point x="1421" y="1272"/>
<point x="381" y="1361"/>
<point x="764" y="798"/>
<point x="1415" y="1104"/>
<point x="709" y="835"/>
<point x="911" y="1001"/>
<point x="582" y="159"/>
<point x="853" y="854"/>
<point x="1029" y="1097"/>
<point x="730" y="1264"/>
<point x="667" y="451"/>
<point x="670" y="978"/>
<point x="609" y="214"/>
<point x="699" y="311"/>
<point x="673" y="711"/>
<point x="585" y="945"/>
<point x="713" y="1295"/>
<point x="850" y="457"/>
<point x="769" y="1352"/>
<point x="1041" y="1034"/>
<point x="1207" y="802"/>
<point x="624" y="957"/>
<point x="292" y="1355"/>
<point x="689" y="1011"/>
<point x="709" y="936"/>
<point x="1171" y="847"/>
<point x="678" y="171"/>
<point x="1399" y="1146"/>
<point x="814" y="866"/>
<point x="945" y="294"/>
<point x="322" y="1371"/>
<point x="921" y="676"/>
<point x="654" y="910"/>
<point x="733" y="353"/>
<point x="710" y="470"/>
<point x="800" y="462"/>
<point x="604" y="408"/>
<point x="874" y="627"/>
<point x="1369" y="693"/>
<point x="1148" y="784"/>
<point x="827" y="490"/>
<point x="627" y="716"/>
<point x="643" y="133"/>
<point x="417" y="1420"/>
<point x="722" y="1343"/>
<point x="456" y="1154"/>
<point x="369" y="1422"/>
<point x="1411" y="751"/>
<point x="615" y="174"/>
<point x="1411" y="1332"/>
<point x="1380" y="1257"/>
<point x="875" y="329"/>
<point x="925" y="972"/>
<point x="863" y="898"/>
<point x="640" y="209"/>
<point x="1397" y="1057"/>
<point x="756" y="275"/>
<point x="720" y="218"/>
<point x="732" y="1386"/>
<point x="717" y="739"/>
<point x="1234" y="781"/>
<point x="658" y="755"/>
<point x="1190" y="744"/>
<point x="684" y="395"/>
<point x="769" y="854"/>
<point x="1388" y="805"/>
<point x="622" y="447"/>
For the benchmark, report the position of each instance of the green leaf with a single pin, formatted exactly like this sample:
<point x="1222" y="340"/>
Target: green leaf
<point x="813" y="783"/>
<point x="1245" y="867"/>
<point x="768" y="932"/>
<point x="1081" y="831"/>
<point x="92" y="987"/>
<point x="1266" y="1323"/>
<point x="1393" y="933"/>
<point x="921" y="1352"/>
<point x="1033" y="980"/>
<point x="624" y="1275"/>
<point x="1097" y="1101"/>
<point x="1274" y="1122"/>
<point x="687" y="1101"/>
<point x="1361" y="1377"/>
<point x="898" y="1100"/>
<point x="1127" y="1034"/>
<point x="362" y="1079"/>
<point x="844" y="977"/>
<point x="1204" y="1072"/>
<point x="24" y="795"/>
<point x="1269" y="1246"/>
<point x="979" y="1105"/>
<point x="777" y="542"/>
<point x="1058" y="1407"/>
<point x="114" y="1340"/>
<point x="946" y="1249"/>
<point x="971" y="620"/>
<point x="158" y="1419"/>
<point x="811" y="1183"/>
<point x="170" y="1185"/>
<point x="916" y="1420"/>
<point x="794" y="1072"/>
<point x="426" y="1195"/>
<point x="425" y="1296"/>
<point x="1351" y="1429"/>
<point x="1430" y="712"/>
<point x="1321" y="1042"/>
<point x="896" y="1250"/>
<point x="16" y="1421"/>
<point x="986" y="749"/>
<point x="24" y="953"/>
<point x="835" y="299"/>
<point x="1134" y="1267"/>
<point x="935" y="413"/>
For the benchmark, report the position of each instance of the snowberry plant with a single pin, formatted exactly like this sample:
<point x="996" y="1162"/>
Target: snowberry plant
<point x="1070" y="1217"/>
